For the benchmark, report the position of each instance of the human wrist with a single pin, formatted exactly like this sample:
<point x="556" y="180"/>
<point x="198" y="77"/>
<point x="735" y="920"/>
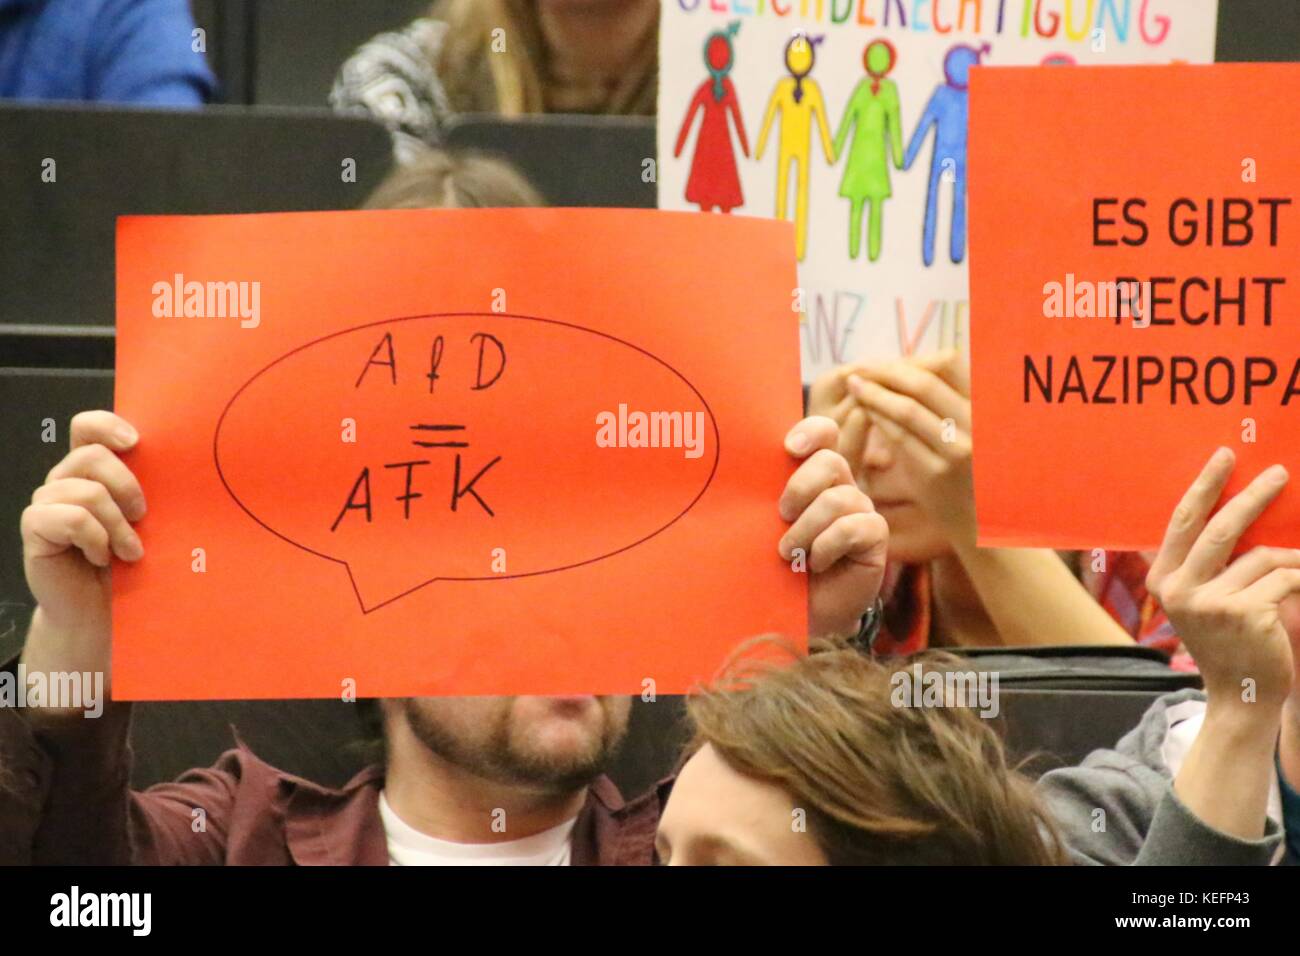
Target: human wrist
<point x="51" y="648"/>
<point x="1243" y="724"/>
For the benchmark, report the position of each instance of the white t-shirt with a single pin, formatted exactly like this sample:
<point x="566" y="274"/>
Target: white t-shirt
<point x="409" y="847"/>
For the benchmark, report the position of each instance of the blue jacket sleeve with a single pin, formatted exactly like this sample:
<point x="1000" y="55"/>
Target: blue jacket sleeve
<point x="144" y="53"/>
<point x="1290" y="814"/>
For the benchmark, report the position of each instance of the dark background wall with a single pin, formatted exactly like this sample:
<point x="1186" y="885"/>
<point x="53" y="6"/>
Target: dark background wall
<point x="286" y="52"/>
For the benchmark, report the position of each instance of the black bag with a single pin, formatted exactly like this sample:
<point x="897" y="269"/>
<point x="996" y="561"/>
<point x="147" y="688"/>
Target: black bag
<point x="1058" y="704"/>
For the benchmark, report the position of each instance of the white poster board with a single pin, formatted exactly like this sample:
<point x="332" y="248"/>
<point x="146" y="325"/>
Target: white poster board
<point x="863" y="104"/>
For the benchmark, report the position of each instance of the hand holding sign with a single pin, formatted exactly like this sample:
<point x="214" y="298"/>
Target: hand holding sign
<point x="1230" y="614"/>
<point x="836" y="526"/>
<point x="1227" y="611"/>
<point x="79" y="520"/>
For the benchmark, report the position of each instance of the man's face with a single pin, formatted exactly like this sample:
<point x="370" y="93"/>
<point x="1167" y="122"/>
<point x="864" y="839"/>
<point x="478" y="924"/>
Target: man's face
<point x="552" y="743"/>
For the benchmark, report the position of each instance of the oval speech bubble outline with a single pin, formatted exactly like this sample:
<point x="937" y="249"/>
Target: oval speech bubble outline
<point x="368" y="608"/>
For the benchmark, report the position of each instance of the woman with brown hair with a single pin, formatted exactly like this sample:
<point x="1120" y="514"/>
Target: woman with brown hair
<point x="512" y="57"/>
<point x="836" y="760"/>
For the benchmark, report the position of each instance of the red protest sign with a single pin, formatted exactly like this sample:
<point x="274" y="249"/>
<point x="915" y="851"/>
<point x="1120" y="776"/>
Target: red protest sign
<point x="452" y="452"/>
<point x="1133" y="296"/>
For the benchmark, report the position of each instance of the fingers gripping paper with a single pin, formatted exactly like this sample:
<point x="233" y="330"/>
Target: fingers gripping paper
<point x="452" y="452"/>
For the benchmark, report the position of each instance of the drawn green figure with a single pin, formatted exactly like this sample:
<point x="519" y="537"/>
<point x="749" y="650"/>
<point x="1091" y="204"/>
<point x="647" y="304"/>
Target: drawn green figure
<point x="872" y="115"/>
<point x="798" y="100"/>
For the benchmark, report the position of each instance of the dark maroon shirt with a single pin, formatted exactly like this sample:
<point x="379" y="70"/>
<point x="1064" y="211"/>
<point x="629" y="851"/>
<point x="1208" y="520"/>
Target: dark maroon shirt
<point x="65" y="798"/>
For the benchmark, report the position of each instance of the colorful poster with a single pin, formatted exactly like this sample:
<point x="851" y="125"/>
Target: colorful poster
<point x="452" y="452"/>
<point x="1146" y="315"/>
<point x="848" y="118"/>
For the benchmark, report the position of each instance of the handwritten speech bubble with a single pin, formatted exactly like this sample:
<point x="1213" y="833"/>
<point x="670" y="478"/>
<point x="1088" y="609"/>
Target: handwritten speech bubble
<point x="465" y="446"/>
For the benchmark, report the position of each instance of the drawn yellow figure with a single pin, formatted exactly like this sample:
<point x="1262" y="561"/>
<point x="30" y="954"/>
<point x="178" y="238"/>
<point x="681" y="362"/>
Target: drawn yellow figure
<point x="798" y="98"/>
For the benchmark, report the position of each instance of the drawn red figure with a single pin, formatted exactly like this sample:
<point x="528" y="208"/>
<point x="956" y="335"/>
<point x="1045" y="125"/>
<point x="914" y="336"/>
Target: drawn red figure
<point x="714" y="180"/>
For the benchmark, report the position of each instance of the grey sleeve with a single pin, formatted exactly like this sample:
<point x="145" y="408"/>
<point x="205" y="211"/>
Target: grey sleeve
<point x="1103" y="808"/>
<point x="1119" y="807"/>
<point x="1178" y="837"/>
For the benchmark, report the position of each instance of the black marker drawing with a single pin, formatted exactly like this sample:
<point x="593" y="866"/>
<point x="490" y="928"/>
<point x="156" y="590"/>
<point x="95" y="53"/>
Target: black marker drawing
<point x="468" y="353"/>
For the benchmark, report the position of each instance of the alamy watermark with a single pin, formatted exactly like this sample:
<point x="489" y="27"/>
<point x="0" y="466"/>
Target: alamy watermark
<point x="1084" y="299"/>
<point x="65" y="690"/>
<point x="636" y="429"/>
<point x="921" y="687"/>
<point x="181" y="298"/>
<point x="133" y="911"/>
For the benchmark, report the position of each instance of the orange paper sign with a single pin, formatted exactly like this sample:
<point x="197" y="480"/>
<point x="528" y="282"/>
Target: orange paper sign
<point x="452" y="452"/>
<point x="1134" y="295"/>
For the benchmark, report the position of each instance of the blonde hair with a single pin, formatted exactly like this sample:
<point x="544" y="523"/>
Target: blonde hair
<point x="881" y="784"/>
<point x="438" y="179"/>
<point x="516" y="75"/>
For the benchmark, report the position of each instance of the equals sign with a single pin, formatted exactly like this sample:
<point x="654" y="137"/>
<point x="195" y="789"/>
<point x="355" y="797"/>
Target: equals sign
<point x="439" y="444"/>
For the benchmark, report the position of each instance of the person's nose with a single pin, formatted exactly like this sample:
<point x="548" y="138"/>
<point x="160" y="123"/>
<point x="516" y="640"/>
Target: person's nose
<point x="878" y="454"/>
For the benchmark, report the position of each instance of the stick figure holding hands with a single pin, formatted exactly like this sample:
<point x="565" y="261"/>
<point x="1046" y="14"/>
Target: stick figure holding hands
<point x="798" y="99"/>
<point x="714" y="180"/>
<point x="946" y="112"/>
<point x="872" y="116"/>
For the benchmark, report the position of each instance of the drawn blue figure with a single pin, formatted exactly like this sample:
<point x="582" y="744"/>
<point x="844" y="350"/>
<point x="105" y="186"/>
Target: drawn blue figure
<point x="946" y="112"/>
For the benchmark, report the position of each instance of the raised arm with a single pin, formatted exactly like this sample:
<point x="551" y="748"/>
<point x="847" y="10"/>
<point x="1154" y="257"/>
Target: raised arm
<point x="1228" y="613"/>
<point x="1231" y="616"/>
<point x="80" y="521"/>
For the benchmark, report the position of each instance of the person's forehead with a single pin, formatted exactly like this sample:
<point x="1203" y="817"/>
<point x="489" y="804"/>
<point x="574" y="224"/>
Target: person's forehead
<point x="712" y="791"/>
<point x="716" y="809"/>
